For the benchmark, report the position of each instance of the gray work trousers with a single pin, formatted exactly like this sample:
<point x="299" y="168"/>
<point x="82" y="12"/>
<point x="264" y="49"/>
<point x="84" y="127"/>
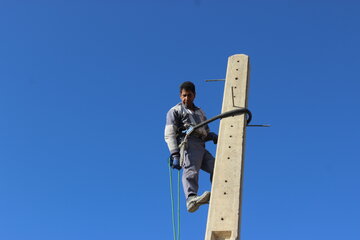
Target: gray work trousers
<point x="196" y="157"/>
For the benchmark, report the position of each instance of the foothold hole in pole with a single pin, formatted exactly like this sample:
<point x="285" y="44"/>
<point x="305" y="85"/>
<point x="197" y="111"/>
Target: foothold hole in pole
<point x="229" y="146"/>
<point x="236" y="78"/>
<point x="231" y="125"/>
<point x="234" y="87"/>
<point x="222" y="219"/>
<point x="230" y="135"/>
<point x="238" y="61"/>
<point x="237" y="69"/>
<point x="224" y="193"/>
<point x="228" y="157"/>
<point x="225" y="180"/>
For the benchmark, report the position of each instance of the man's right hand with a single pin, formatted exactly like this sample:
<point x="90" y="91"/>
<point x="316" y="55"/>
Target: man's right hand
<point x="175" y="161"/>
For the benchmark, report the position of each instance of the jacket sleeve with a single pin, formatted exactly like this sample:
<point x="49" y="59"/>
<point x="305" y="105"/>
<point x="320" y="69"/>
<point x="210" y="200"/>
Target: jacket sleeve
<point x="171" y="131"/>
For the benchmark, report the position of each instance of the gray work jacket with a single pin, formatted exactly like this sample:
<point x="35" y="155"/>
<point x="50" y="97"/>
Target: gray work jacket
<point x="180" y="118"/>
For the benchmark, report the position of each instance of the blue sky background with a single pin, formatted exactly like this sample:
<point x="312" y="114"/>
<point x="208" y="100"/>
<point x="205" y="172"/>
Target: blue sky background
<point x="85" y="86"/>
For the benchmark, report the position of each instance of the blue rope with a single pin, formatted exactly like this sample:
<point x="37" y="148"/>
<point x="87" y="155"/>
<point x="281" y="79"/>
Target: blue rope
<point x="173" y="205"/>
<point x="178" y="200"/>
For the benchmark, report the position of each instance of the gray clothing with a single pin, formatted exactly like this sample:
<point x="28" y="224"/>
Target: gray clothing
<point x="195" y="155"/>
<point x="180" y="118"/>
<point x="196" y="158"/>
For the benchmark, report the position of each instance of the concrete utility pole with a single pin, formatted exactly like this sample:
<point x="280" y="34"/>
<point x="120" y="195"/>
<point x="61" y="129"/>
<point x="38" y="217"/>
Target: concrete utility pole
<point x="224" y="215"/>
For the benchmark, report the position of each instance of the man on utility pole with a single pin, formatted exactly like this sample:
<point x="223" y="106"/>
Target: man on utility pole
<point x="191" y="156"/>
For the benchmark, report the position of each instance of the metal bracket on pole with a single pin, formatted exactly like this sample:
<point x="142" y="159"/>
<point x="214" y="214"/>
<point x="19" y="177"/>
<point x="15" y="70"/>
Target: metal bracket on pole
<point x="215" y="80"/>
<point x="233" y="96"/>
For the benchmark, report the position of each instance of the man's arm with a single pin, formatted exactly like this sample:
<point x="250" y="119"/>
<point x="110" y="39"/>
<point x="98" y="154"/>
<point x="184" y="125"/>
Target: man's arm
<point x="171" y="131"/>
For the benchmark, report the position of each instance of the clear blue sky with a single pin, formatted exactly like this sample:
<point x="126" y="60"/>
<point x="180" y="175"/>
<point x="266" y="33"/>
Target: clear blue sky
<point x="85" y="86"/>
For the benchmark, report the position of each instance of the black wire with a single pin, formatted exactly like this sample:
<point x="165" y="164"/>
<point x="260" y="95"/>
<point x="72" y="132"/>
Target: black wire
<point x="231" y="113"/>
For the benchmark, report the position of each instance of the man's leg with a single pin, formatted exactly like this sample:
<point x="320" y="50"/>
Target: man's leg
<point x="192" y="162"/>
<point x="208" y="163"/>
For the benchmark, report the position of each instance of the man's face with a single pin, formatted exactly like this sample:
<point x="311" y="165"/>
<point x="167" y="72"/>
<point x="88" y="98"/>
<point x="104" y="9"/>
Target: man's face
<point x="187" y="97"/>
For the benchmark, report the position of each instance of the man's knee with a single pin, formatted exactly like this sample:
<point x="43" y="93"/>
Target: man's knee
<point x="190" y="173"/>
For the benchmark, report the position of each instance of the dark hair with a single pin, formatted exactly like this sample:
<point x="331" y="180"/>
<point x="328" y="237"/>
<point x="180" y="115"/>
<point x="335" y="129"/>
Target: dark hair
<point x="188" y="86"/>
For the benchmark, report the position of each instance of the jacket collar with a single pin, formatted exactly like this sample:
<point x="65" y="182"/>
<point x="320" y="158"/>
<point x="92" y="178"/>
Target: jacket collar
<point x="195" y="107"/>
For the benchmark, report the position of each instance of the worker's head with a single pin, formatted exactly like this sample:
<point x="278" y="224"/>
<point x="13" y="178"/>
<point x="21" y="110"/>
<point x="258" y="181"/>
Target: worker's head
<point x="187" y="93"/>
